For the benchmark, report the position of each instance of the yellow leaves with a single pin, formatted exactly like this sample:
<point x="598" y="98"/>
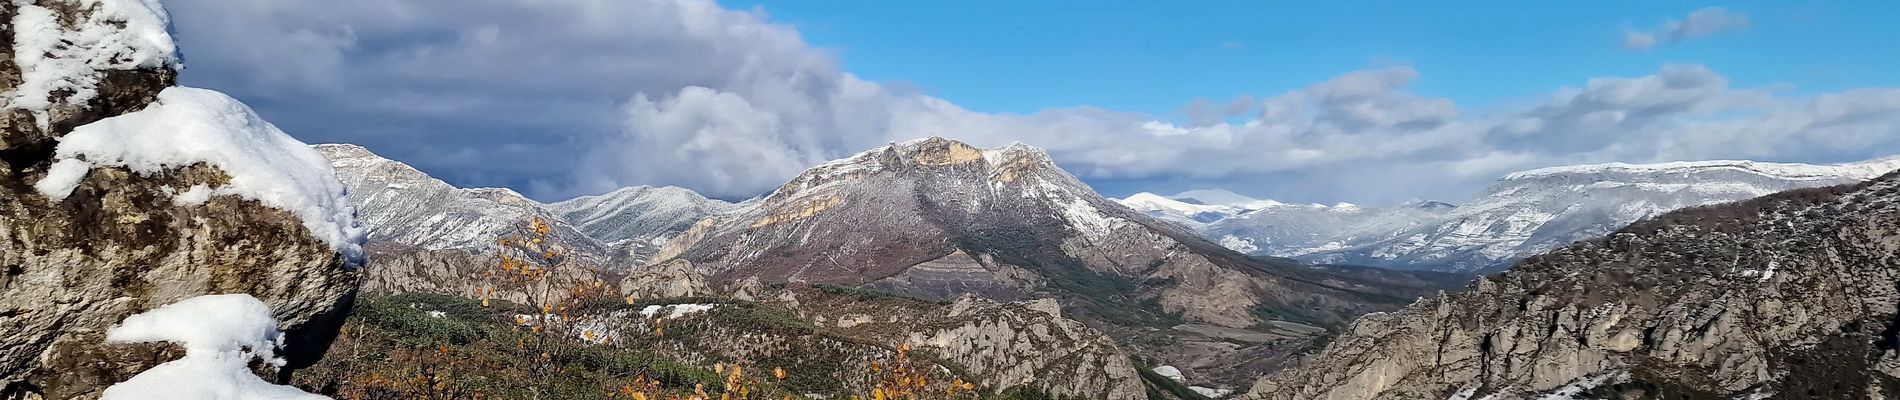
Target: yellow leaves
<point x="877" y="394"/>
<point x="778" y="373"/>
<point x="631" y="299"/>
<point x="540" y="227"/>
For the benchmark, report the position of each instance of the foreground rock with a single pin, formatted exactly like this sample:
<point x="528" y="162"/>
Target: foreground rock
<point x="1787" y="296"/>
<point x="105" y="235"/>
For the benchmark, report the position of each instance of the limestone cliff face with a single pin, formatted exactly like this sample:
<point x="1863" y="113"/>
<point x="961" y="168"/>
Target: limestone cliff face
<point x="1791" y="295"/>
<point x="119" y="244"/>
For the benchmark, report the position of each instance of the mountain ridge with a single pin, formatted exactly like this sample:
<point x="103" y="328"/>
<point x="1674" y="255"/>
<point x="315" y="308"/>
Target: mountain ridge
<point x="1525" y="213"/>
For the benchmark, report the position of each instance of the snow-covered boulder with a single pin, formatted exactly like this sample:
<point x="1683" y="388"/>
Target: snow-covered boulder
<point x="121" y="193"/>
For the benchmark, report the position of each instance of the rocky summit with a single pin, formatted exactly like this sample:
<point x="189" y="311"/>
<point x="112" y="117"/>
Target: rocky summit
<point x="103" y="216"/>
<point x="939" y="219"/>
<point x="1786" y="296"/>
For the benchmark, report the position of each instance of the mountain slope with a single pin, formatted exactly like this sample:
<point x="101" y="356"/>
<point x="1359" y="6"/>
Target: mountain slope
<point x="1297" y="230"/>
<point x="402" y="205"/>
<point x="1528" y="213"/>
<point x="937" y="218"/>
<point x="637" y="219"/>
<point x="1791" y="295"/>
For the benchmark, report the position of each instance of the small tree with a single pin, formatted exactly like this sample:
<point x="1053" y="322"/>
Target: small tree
<point x="903" y="379"/>
<point x="542" y="279"/>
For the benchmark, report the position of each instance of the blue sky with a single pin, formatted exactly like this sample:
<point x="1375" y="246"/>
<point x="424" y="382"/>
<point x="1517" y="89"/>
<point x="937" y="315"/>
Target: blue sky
<point x="1155" y="56"/>
<point x="1365" y="102"/>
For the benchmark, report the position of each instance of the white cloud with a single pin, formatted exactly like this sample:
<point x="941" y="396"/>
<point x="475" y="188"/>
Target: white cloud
<point x="1703" y="22"/>
<point x="567" y="97"/>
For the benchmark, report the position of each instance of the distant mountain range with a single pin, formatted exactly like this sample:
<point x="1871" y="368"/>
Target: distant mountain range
<point x="1524" y="214"/>
<point x="404" y="208"/>
<point x="932" y="219"/>
<point x="936" y="219"/>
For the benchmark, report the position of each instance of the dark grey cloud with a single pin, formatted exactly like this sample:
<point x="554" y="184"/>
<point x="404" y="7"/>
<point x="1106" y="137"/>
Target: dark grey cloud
<point x="567" y="97"/>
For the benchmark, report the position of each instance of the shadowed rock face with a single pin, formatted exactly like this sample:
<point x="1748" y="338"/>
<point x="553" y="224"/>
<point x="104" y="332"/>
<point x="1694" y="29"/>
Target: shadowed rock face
<point x="1792" y="295"/>
<point x="119" y="245"/>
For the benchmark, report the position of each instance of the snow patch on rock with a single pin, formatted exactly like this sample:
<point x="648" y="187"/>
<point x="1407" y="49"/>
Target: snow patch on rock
<point x="1170" y="372"/>
<point x="187" y="126"/>
<point x="220" y="334"/>
<point x="674" y="310"/>
<point x="54" y="58"/>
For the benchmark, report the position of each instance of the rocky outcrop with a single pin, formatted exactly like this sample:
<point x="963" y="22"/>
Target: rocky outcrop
<point x="1792" y="295"/>
<point x="672" y="279"/>
<point x="124" y="238"/>
<point x="999" y="344"/>
<point x="397" y="269"/>
<point x="1031" y="343"/>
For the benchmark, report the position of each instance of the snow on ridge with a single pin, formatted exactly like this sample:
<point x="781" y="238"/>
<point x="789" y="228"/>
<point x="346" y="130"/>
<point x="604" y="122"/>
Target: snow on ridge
<point x="1145" y="201"/>
<point x="110" y="35"/>
<point x="1218" y="196"/>
<point x="188" y="126"/>
<point x="1865" y="169"/>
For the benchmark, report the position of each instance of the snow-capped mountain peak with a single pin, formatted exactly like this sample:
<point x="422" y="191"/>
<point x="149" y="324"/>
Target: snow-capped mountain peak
<point x="1217" y="196"/>
<point x="1200" y="206"/>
